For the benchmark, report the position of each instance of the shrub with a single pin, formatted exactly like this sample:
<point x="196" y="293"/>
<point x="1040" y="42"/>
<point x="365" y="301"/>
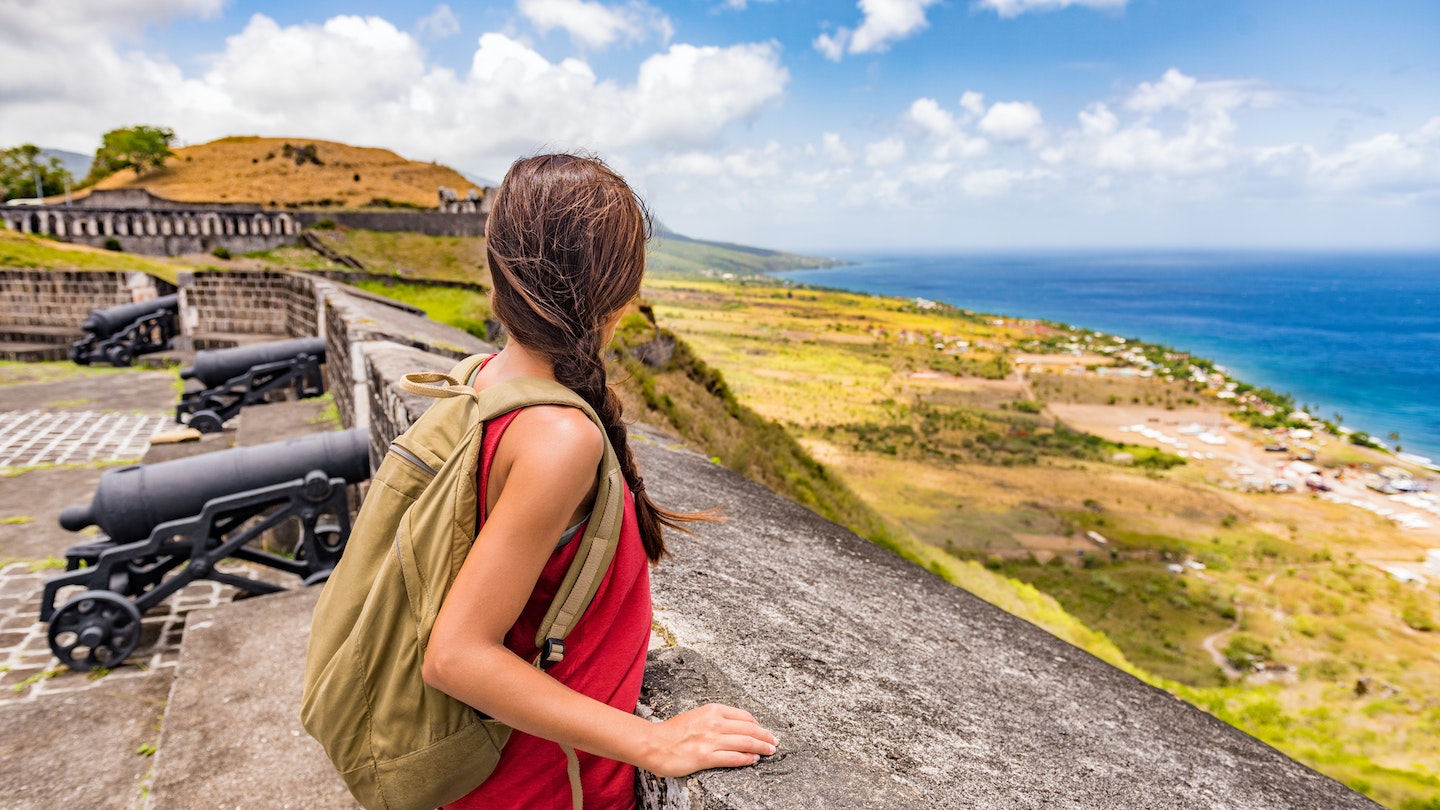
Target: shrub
<point x="1418" y="619"/>
<point x="326" y="224"/>
<point x="1245" y="650"/>
<point x="221" y="252"/>
<point x="112" y="243"/>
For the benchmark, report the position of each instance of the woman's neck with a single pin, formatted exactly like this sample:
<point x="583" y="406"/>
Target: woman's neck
<point x="516" y="360"/>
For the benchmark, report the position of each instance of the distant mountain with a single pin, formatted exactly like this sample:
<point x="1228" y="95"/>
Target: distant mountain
<point x="677" y="253"/>
<point x="77" y="164"/>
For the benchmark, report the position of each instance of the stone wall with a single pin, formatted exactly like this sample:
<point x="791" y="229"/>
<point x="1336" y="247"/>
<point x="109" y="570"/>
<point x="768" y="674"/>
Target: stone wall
<point x="61" y="299"/>
<point x="144" y="223"/>
<point x="354" y="320"/>
<point x="255" y="303"/>
<point x="167" y="231"/>
<point x="430" y="223"/>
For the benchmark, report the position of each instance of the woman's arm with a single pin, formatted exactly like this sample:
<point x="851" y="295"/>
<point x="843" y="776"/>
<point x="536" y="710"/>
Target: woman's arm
<point x="552" y="456"/>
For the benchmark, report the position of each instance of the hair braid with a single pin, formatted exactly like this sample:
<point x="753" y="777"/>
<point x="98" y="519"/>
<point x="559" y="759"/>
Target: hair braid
<point x="583" y="372"/>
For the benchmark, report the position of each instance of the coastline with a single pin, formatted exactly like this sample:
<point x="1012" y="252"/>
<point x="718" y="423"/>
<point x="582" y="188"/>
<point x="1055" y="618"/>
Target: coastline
<point x="1221" y="336"/>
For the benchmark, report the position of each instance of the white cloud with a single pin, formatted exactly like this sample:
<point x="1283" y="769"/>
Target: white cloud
<point x="439" y="23"/>
<point x="701" y="164"/>
<point x="278" y="70"/>
<point x="1012" y="121"/>
<point x="595" y="25"/>
<point x="689" y="92"/>
<point x="1202" y="143"/>
<point x="973" y="103"/>
<point x="1390" y="166"/>
<point x="882" y="23"/>
<point x="832" y="47"/>
<point x="1177" y="91"/>
<point x="1014" y="8"/>
<point x="833" y="147"/>
<point x="949" y="139"/>
<point x="887" y="21"/>
<point x="988" y="182"/>
<point x="360" y="79"/>
<point x="885" y="152"/>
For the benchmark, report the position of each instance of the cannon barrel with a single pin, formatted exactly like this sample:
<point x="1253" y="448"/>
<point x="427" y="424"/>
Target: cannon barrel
<point x="215" y="366"/>
<point x="103" y="323"/>
<point x="130" y="502"/>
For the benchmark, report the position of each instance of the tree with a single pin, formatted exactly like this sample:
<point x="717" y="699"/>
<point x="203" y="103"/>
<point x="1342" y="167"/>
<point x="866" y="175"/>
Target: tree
<point x="19" y="168"/>
<point x="138" y="147"/>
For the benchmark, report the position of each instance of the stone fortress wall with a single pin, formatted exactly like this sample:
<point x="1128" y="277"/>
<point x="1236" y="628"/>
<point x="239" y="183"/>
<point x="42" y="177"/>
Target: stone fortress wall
<point x="888" y="687"/>
<point x="144" y="223"/>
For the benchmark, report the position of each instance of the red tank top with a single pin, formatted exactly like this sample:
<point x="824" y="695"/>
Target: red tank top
<point x="604" y="659"/>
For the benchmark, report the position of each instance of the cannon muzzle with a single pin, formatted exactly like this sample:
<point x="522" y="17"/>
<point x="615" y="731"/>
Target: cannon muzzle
<point x="215" y="366"/>
<point x="130" y="502"/>
<point x="102" y="323"/>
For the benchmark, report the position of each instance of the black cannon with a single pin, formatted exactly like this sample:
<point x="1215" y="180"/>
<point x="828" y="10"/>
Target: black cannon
<point x="245" y="375"/>
<point x="171" y="523"/>
<point x="120" y="334"/>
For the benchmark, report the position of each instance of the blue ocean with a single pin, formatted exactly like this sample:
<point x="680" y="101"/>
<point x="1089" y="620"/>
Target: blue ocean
<point x="1354" y="334"/>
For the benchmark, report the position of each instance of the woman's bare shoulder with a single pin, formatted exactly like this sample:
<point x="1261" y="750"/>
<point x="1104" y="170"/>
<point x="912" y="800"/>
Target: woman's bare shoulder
<point x="555" y="434"/>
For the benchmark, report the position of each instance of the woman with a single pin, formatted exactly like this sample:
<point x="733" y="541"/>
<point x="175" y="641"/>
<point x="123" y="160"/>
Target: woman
<point x="566" y="247"/>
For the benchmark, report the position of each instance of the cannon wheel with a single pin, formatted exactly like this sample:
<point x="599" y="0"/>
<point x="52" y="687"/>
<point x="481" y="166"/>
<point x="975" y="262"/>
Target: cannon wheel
<point x="95" y="629"/>
<point x="79" y="357"/>
<point x="119" y="355"/>
<point x="206" y="421"/>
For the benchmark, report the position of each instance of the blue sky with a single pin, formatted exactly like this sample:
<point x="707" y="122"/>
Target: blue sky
<point x="819" y="126"/>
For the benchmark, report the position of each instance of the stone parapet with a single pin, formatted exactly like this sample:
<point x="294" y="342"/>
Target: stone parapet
<point x="63" y="298"/>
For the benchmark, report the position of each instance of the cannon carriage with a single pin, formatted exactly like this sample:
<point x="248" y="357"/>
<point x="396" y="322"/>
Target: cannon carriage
<point x="118" y="335"/>
<point x="246" y="375"/>
<point x="171" y="523"/>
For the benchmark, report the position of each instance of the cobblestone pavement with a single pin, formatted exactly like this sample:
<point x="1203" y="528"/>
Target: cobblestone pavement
<point x="31" y="438"/>
<point x="28" y="671"/>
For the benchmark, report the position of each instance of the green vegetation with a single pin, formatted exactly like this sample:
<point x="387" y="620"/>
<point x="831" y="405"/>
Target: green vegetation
<point x="694" y="400"/>
<point x="140" y="148"/>
<point x="22" y="165"/>
<point x="16" y="373"/>
<point x="459" y="307"/>
<point x="328" y="416"/>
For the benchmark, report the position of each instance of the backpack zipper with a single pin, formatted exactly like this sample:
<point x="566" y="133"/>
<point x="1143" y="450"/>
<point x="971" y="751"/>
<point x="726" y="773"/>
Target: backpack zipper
<point x="406" y="455"/>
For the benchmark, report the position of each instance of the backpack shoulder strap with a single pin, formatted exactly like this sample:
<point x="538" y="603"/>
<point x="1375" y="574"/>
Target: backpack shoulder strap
<point x="602" y="531"/>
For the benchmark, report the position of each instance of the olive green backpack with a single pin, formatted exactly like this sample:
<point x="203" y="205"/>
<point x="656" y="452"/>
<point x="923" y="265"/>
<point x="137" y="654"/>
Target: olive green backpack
<point x="398" y="743"/>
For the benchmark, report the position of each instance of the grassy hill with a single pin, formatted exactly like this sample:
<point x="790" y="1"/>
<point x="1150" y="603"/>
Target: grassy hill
<point x="276" y="172"/>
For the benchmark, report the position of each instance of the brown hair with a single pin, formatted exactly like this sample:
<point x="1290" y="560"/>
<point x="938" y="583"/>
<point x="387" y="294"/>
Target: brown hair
<point x="566" y="245"/>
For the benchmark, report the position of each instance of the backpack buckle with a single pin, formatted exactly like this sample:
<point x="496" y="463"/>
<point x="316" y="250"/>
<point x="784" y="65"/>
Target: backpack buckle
<point x="552" y="653"/>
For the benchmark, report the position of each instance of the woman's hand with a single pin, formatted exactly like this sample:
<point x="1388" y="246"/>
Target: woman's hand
<point x="712" y="736"/>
